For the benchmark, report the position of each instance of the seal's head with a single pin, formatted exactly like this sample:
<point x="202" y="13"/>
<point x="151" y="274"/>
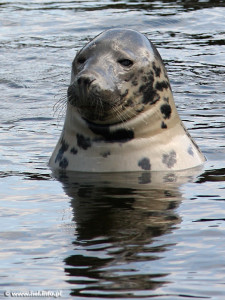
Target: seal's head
<point x="115" y="76"/>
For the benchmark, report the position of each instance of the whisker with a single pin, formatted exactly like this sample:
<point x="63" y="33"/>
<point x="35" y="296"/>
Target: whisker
<point x="59" y="107"/>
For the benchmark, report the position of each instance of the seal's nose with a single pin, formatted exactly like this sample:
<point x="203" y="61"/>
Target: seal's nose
<point x="85" y="80"/>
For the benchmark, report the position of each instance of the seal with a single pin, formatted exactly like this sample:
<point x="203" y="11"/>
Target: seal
<point x="121" y="115"/>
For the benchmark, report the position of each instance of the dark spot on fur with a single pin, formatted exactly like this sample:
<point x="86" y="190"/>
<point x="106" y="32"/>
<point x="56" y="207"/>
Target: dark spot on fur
<point x="149" y="93"/>
<point x="166" y="111"/>
<point x="144" y="163"/>
<point x="156" y="69"/>
<point x="64" y="163"/>
<point x="105" y="154"/>
<point x="169" y="159"/>
<point x="74" y="150"/>
<point x="144" y="78"/>
<point x="163" y="125"/>
<point x="64" y="147"/>
<point x="120" y="135"/>
<point x="166" y="99"/>
<point x="134" y="82"/>
<point x="125" y="93"/>
<point x="83" y="142"/>
<point x="190" y="151"/>
<point x="161" y="85"/>
<point x="129" y="103"/>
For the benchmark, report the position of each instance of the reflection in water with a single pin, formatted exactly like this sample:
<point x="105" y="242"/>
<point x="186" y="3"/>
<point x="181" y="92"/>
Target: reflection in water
<point x="118" y="219"/>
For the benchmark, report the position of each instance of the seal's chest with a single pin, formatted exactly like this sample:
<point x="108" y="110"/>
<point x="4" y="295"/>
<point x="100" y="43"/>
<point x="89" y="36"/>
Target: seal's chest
<point x="148" y="154"/>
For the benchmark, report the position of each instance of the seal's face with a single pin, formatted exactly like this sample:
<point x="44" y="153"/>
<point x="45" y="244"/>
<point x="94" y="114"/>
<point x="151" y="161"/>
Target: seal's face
<point x="113" y="77"/>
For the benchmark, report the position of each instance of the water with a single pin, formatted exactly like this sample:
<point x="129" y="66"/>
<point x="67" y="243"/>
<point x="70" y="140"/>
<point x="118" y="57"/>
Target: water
<point x="118" y="236"/>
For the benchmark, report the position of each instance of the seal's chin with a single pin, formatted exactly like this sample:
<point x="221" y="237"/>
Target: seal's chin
<point x="99" y="116"/>
<point x="114" y="116"/>
<point x="91" y="114"/>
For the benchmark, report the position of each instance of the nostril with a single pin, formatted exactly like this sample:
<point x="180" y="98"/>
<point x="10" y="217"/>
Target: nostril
<point x="85" y="80"/>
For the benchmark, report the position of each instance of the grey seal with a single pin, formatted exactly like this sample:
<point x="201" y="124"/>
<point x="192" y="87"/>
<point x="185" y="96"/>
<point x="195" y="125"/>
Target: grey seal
<point x="120" y="113"/>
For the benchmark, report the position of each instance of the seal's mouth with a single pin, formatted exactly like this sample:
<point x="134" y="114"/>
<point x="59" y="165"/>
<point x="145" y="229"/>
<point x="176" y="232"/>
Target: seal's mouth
<point x="94" y="104"/>
<point x="92" y="114"/>
<point x="99" y="113"/>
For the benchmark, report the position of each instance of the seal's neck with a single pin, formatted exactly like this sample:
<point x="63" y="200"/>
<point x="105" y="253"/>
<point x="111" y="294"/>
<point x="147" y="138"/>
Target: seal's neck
<point x="153" y="120"/>
<point x="157" y="118"/>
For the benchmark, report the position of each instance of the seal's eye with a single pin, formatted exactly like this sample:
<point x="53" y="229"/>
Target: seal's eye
<point x="81" y="60"/>
<point x="125" y="62"/>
